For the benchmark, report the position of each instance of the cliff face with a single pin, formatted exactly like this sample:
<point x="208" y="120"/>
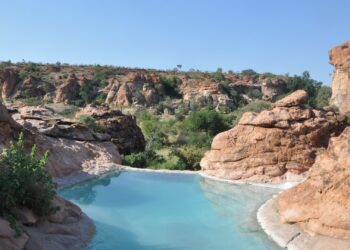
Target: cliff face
<point x="340" y="58"/>
<point x="274" y="145"/>
<point x="321" y="204"/>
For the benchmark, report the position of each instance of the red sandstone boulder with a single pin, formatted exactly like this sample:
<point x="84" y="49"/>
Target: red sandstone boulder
<point x="321" y="203"/>
<point x="274" y="145"/>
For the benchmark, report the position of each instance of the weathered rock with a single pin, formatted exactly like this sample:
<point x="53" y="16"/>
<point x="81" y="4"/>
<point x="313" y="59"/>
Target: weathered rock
<point x="25" y="216"/>
<point x="340" y="58"/>
<point x="297" y="98"/>
<point x="272" y="146"/>
<point x="321" y="203"/>
<point x="8" y="81"/>
<point x="271" y="88"/>
<point x="122" y="129"/>
<point x="205" y="90"/>
<point x="69" y="228"/>
<point x="8" y="238"/>
<point x="69" y="91"/>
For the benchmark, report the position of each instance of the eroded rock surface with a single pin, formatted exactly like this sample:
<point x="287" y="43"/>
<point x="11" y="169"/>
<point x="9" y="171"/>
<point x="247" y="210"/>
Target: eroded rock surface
<point x="69" y="91"/>
<point x="69" y="228"/>
<point x="121" y="129"/>
<point x="321" y="204"/>
<point x="340" y="58"/>
<point x="274" y="145"/>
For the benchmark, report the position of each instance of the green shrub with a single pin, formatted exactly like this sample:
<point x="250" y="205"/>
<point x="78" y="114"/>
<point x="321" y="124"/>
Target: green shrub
<point x="169" y="87"/>
<point x="188" y="157"/>
<point x="209" y="121"/>
<point x="24" y="182"/>
<point x="323" y="96"/>
<point x="142" y="159"/>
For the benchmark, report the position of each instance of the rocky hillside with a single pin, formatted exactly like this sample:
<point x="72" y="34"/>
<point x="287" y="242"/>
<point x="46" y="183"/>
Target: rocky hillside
<point x="122" y="87"/>
<point x="274" y="145"/>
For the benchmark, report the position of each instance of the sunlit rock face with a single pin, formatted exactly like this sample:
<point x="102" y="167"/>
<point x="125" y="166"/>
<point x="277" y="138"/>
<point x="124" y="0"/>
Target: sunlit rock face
<point x="321" y="204"/>
<point x="275" y="145"/>
<point x="340" y="58"/>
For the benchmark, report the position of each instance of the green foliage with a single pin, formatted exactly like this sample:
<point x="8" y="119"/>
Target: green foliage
<point x="323" y="96"/>
<point x="87" y="93"/>
<point x="254" y="94"/>
<point x="24" y="182"/>
<point x="100" y="98"/>
<point x="255" y="106"/>
<point x="304" y="82"/>
<point x="169" y="87"/>
<point x="142" y="159"/>
<point x="248" y="72"/>
<point x="188" y="157"/>
<point x="209" y="121"/>
<point x="28" y="70"/>
<point x="218" y="76"/>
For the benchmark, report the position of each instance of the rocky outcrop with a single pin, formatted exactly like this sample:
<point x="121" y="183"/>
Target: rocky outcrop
<point x="271" y="88"/>
<point x="212" y="92"/>
<point x="69" y="91"/>
<point x="321" y="203"/>
<point x="340" y="58"/>
<point x="134" y="88"/>
<point x="72" y="146"/>
<point x="121" y="129"/>
<point x="8" y="81"/>
<point x="274" y="145"/>
<point x="69" y="228"/>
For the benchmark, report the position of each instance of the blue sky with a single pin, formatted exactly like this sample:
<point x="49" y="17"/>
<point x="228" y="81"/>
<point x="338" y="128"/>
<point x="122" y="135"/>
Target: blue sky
<point x="279" y="36"/>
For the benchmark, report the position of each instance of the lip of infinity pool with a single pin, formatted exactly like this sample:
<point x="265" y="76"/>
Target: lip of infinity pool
<point x="143" y="211"/>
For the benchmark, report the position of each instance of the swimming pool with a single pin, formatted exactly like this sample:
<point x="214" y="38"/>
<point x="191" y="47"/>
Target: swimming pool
<point x="158" y="211"/>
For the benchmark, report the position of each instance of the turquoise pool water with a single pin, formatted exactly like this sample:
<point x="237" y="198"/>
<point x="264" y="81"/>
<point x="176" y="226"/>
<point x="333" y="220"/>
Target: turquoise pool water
<point x="160" y="211"/>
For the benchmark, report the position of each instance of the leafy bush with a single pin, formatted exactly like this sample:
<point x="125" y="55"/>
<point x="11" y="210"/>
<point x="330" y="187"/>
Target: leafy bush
<point x="24" y="182"/>
<point x="248" y="72"/>
<point x="209" y="121"/>
<point x="169" y="87"/>
<point x="323" y="96"/>
<point x="142" y="159"/>
<point x="188" y="157"/>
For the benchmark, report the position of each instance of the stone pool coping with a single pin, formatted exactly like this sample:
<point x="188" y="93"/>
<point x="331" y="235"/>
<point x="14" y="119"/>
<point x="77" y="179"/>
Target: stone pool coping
<point x="291" y="236"/>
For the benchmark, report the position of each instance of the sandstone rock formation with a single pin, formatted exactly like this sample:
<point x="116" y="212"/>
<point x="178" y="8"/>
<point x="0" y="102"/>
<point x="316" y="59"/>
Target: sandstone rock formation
<point x="134" y="88"/>
<point x="321" y="204"/>
<point x="68" y="228"/>
<point x="273" y="145"/>
<point x="72" y="146"/>
<point x="271" y="88"/>
<point x="213" y="92"/>
<point x="121" y="129"/>
<point x="340" y="58"/>
<point x="69" y="91"/>
<point x="8" y="81"/>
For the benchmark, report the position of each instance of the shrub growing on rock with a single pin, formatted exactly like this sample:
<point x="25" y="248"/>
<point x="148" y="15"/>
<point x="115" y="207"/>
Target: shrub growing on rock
<point x="24" y="182"/>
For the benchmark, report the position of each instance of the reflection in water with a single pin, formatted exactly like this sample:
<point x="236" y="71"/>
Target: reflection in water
<point x="231" y="201"/>
<point x="84" y="193"/>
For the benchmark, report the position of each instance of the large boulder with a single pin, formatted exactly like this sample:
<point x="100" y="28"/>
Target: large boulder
<point x="321" y="203"/>
<point x="340" y="58"/>
<point x="72" y="146"/>
<point x="122" y="129"/>
<point x="274" y="145"/>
